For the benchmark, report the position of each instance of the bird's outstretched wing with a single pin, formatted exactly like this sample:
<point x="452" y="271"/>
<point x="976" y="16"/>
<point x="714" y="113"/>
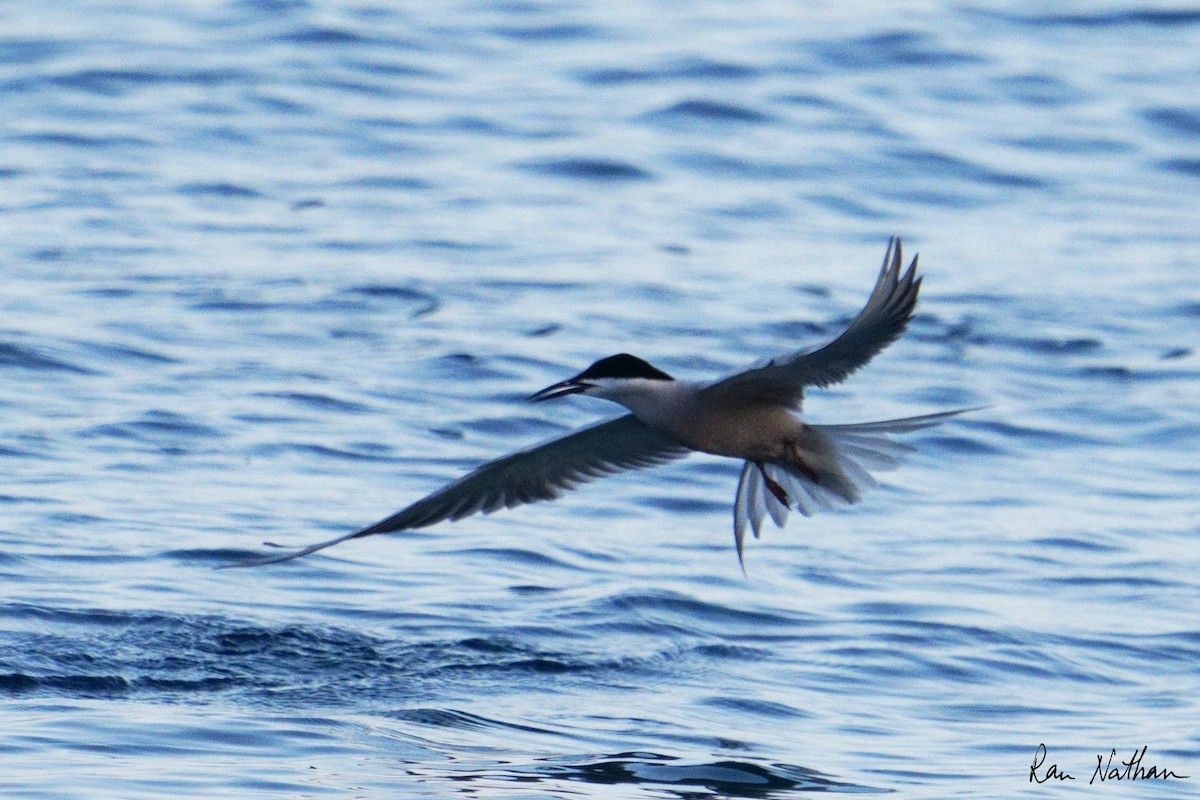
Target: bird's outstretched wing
<point x="782" y="380"/>
<point x="527" y="476"/>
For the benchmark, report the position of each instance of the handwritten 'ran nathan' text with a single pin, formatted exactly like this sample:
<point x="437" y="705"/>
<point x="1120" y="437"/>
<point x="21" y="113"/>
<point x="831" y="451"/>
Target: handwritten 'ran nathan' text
<point x="1131" y="770"/>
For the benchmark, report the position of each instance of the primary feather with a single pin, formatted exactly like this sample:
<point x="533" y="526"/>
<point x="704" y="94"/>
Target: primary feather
<point x="783" y="379"/>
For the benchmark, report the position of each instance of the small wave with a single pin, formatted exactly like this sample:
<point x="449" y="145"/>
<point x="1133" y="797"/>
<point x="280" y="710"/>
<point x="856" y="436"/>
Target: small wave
<point x="1072" y="543"/>
<point x="1066" y="143"/>
<point x="1175" y="121"/>
<point x="13" y="355"/>
<point x="456" y="245"/>
<point x="762" y="708"/>
<point x="947" y="167"/>
<point x="319" y="402"/>
<point x="453" y="718"/>
<point x="214" y="557"/>
<point x="85" y="141"/>
<point x="721" y="164"/>
<point x="690" y="611"/>
<point x="156" y="426"/>
<point x="421" y="303"/>
<point x="1041" y="345"/>
<point x="513" y="555"/>
<point x="558" y="32"/>
<point x="72" y="685"/>
<point x="224" y="190"/>
<point x="390" y="183"/>
<point x="1039" y="90"/>
<point x="318" y="35"/>
<point x="1149" y="17"/>
<point x="898" y="48"/>
<point x="108" y="82"/>
<point x="588" y="169"/>
<point x="726" y="778"/>
<point x="30" y="51"/>
<point x="1033" y="436"/>
<point x="1188" y="167"/>
<point x="700" y="69"/>
<point x="365" y="452"/>
<point x="708" y="111"/>
<point x="706" y="69"/>
<point x="128" y="353"/>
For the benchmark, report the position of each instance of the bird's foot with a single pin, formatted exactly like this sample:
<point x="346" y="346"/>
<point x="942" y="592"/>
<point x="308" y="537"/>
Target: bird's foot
<point x="775" y="488"/>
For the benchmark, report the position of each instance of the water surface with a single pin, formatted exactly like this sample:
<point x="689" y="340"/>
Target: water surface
<point x="273" y="270"/>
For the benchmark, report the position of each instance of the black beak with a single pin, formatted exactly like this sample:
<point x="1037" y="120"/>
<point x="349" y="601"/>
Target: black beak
<point x="572" y="386"/>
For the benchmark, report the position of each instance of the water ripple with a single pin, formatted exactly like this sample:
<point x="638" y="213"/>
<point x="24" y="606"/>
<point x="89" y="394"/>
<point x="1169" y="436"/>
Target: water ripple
<point x="722" y="778"/>
<point x="271" y="265"/>
<point x="588" y="169"/>
<point x="894" y="49"/>
<point x="707" y="111"/>
<point x="13" y="355"/>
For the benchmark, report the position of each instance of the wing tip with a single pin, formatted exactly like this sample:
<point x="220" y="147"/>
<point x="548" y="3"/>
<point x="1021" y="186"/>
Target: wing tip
<point x="262" y="561"/>
<point x="893" y="258"/>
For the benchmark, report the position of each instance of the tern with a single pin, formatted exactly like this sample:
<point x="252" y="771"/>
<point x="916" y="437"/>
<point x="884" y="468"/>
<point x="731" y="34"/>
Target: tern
<point x="752" y="416"/>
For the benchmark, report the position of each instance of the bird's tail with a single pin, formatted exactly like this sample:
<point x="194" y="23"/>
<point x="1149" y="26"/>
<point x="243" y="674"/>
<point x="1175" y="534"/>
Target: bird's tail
<point x="834" y="469"/>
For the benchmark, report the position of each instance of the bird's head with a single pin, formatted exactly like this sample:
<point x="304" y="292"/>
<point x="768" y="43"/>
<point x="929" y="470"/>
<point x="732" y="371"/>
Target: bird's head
<point x="608" y="378"/>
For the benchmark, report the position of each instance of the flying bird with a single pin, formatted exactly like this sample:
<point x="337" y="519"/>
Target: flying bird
<point x="751" y="416"/>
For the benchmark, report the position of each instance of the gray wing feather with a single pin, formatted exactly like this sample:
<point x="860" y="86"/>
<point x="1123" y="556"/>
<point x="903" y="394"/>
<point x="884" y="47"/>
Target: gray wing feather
<point x="542" y="472"/>
<point x="882" y="320"/>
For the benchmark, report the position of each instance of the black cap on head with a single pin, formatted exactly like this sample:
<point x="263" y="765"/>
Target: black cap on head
<point x="624" y="365"/>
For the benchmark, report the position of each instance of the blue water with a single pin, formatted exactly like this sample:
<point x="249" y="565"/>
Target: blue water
<point x="272" y="270"/>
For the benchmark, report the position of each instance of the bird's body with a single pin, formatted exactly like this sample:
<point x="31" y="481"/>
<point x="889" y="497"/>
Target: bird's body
<point x="706" y="423"/>
<point x="752" y="416"/>
<point x="751" y="433"/>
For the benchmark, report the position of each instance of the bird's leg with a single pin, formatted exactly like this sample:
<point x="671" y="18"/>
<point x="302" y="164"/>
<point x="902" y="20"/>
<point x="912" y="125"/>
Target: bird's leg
<point x="799" y="463"/>
<point x="780" y="493"/>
